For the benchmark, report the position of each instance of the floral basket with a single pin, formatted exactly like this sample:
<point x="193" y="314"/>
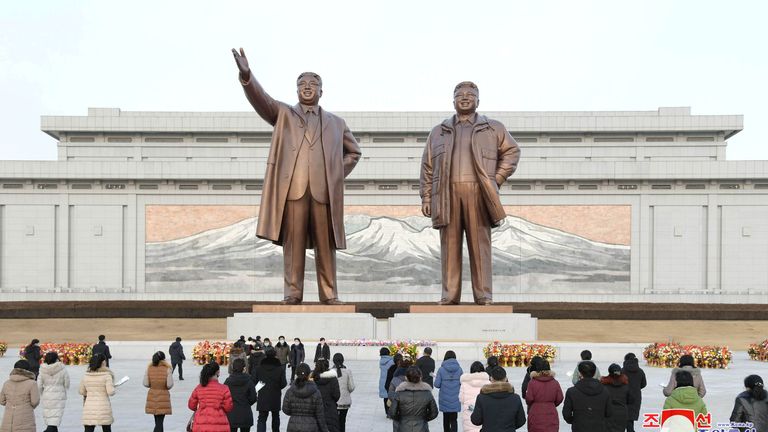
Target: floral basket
<point x="78" y="353"/>
<point x="668" y="355"/>
<point x="3" y="348"/>
<point x="519" y="355"/>
<point x="207" y="351"/>
<point x="758" y="351"/>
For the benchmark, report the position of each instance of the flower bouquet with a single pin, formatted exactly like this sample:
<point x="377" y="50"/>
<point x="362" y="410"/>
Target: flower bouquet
<point x="757" y="351"/>
<point x="668" y="355"/>
<point x="207" y="351"/>
<point x="519" y="355"/>
<point x="69" y="353"/>
<point x="3" y="348"/>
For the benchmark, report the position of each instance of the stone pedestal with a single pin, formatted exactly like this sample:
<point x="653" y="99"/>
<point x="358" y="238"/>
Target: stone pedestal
<point x="309" y="322"/>
<point x="464" y="323"/>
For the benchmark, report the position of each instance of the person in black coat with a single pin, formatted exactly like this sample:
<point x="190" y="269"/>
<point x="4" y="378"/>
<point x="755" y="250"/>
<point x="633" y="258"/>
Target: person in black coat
<point x="637" y="382"/>
<point x="413" y="405"/>
<point x="102" y="348"/>
<point x="254" y="360"/>
<point x="397" y="361"/>
<point x="33" y="355"/>
<point x="323" y="351"/>
<point x="618" y="387"/>
<point x="426" y="364"/>
<point x="243" y="397"/>
<point x="497" y="407"/>
<point x="270" y="372"/>
<point x="304" y="404"/>
<point x="587" y="405"/>
<point x="296" y="356"/>
<point x="176" y="352"/>
<point x="328" y="384"/>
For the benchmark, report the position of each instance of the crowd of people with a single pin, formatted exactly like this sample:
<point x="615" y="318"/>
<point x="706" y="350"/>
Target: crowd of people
<point x="318" y="398"/>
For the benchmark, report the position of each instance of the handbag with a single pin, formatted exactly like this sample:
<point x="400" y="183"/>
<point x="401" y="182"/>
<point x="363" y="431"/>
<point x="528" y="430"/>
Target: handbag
<point x="190" y="423"/>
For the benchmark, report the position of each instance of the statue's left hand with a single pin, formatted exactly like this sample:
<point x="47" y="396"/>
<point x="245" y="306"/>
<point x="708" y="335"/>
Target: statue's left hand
<point x="242" y="64"/>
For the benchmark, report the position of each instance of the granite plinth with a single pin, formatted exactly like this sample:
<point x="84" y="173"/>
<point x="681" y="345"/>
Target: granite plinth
<point x="479" y="327"/>
<point x="305" y="325"/>
<point x="303" y="308"/>
<point x="460" y="309"/>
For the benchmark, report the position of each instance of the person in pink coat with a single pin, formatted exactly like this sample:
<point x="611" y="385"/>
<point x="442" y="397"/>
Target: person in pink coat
<point x="471" y="383"/>
<point x="543" y="396"/>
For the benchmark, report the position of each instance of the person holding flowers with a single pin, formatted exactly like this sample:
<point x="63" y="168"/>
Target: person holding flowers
<point x="53" y="384"/>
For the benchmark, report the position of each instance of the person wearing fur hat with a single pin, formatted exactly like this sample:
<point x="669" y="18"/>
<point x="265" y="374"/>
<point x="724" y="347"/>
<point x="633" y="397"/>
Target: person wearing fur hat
<point x="618" y="387"/>
<point x="498" y="408"/>
<point x="158" y="378"/>
<point x="637" y="383"/>
<point x="328" y="384"/>
<point x="53" y="383"/>
<point x="20" y="397"/>
<point x="413" y="405"/>
<point x="542" y="397"/>
<point x="471" y="384"/>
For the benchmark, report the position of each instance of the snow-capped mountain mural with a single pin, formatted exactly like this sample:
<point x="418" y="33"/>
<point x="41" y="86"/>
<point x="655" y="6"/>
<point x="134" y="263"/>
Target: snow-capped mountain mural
<point x="396" y="254"/>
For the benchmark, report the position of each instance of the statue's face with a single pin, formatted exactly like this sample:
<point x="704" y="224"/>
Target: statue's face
<point x="465" y="100"/>
<point x="309" y="90"/>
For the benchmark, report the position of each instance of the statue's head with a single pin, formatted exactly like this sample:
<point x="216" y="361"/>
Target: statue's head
<point x="466" y="97"/>
<point x="309" y="87"/>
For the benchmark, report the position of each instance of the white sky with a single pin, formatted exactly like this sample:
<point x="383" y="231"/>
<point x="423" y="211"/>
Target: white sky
<point x="60" y="57"/>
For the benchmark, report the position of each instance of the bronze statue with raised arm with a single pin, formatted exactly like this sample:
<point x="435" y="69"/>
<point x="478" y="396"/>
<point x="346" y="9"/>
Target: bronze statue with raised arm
<point x="467" y="158"/>
<point x="302" y="201"/>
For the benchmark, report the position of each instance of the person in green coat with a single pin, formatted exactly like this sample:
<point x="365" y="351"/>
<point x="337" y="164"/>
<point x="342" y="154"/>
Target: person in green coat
<point x="685" y="395"/>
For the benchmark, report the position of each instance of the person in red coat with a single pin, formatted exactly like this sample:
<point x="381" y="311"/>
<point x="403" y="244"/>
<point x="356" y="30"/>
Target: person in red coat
<point x="542" y="397"/>
<point x="211" y="402"/>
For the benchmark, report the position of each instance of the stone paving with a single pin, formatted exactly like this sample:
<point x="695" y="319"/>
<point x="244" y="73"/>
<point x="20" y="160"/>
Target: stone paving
<point x="367" y="413"/>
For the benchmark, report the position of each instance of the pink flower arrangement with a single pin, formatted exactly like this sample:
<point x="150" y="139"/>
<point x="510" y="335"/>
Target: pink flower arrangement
<point x="758" y="351"/>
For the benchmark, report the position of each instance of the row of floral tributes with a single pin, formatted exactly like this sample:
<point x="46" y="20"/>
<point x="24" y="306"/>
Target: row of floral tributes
<point x="758" y="351"/>
<point x="668" y="355"/>
<point x="519" y="355"/>
<point x="69" y="353"/>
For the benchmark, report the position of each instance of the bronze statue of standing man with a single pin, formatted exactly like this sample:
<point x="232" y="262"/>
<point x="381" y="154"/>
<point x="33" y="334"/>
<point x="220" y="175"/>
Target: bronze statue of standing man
<point x="467" y="158"/>
<point x="302" y="201"/>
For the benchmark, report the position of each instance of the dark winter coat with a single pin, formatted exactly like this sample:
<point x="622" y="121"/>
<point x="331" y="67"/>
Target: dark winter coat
<point x="749" y="409"/>
<point x="304" y="406"/>
<point x="176" y="351"/>
<point x="698" y="381"/>
<point x="526" y="382"/>
<point x="211" y="403"/>
<point x="243" y="393"/>
<point x="271" y="374"/>
<point x="328" y="384"/>
<point x="427" y="366"/>
<point x="102" y="348"/>
<point x="297" y="355"/>
<point x="254" y="362"/>
<point x="543" y="397"/>
<point x="621" y="398"/>
<point x="398" y="377"/>
<point x="413" y="406"/>
<point x="283" y="352"/>
<point x="448" y="380"/>
<point x="587" y="406"/>
<point x="234" y="354"/>
<point x="388" y="380"/>
<point x="498" y="408"/>
<point x="385" y="362"/>
<point x="637" y="383"/>
<point x="33" y="356"/>
<point x="322" y="351"/>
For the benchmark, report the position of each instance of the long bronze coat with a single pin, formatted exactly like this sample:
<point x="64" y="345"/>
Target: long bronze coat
<point x="340" y="150"/>
<point x="494" y="154"/>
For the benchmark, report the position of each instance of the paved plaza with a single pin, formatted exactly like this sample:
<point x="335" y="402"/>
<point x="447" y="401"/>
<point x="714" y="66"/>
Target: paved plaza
<point x="366" y="413"/>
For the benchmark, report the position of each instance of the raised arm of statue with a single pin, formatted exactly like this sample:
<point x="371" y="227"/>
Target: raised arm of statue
<point x="263" y="103"/>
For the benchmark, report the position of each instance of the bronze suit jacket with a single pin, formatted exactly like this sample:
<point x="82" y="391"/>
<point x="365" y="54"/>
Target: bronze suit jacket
<point x="341" y="154"/>
<point x="495" y="156"/>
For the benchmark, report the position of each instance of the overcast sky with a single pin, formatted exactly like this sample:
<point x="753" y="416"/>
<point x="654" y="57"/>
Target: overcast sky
<point x="61" y="57"/>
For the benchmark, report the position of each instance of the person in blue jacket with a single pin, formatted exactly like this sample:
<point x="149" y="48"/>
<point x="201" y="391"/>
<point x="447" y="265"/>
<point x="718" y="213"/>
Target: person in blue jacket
<point x="385" y="361"/>
<point x="448" y="380"/>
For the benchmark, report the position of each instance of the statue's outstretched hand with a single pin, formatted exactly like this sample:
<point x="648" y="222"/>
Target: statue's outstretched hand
<point x="242" y="64"/>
